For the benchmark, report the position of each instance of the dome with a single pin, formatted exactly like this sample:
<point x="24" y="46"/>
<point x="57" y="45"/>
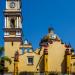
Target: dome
<point x="51" y="36"/>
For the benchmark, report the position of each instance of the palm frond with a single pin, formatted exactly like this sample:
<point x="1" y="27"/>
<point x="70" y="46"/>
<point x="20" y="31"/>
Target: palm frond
<point x="5" y="58"/>
<point x="1" y="67"/>
<point x="1" y="48"/>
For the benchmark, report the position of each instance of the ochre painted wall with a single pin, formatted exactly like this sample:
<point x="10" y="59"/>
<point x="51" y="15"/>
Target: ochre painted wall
<point x="56" y="58"/>
<point x="56" y="53"/>
<point x="10" y="51"/>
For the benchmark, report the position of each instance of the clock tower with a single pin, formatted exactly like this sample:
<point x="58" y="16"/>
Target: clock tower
<point x="12" y="30"/>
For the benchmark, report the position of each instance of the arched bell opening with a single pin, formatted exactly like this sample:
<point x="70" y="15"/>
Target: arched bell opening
<point x="12" y="23"/>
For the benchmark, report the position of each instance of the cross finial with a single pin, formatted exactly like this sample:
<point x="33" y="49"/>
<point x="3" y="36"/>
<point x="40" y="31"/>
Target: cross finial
<point x="50" y="29"/>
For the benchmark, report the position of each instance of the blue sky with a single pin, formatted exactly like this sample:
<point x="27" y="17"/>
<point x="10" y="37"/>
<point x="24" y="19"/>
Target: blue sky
<point x="38" y="15"/>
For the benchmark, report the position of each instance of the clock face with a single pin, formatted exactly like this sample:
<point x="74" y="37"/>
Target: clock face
<point x="12" y="4"/>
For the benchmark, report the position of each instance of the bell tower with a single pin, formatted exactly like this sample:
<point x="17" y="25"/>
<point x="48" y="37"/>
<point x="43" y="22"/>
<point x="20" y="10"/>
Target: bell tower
<point x="12" y="30"/>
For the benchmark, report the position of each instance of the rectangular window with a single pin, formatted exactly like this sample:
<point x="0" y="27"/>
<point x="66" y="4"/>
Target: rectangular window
<point x="30" y="60"/>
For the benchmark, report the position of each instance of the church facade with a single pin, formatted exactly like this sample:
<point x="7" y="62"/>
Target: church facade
<point x="52" y="56"/>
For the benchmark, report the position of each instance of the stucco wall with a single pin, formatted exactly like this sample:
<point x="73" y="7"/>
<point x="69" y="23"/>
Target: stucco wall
<point x="72" y="65"/>
<point x="56" y="52"/>
<point x="23" y="62"/>
<point x="10" y="51"/>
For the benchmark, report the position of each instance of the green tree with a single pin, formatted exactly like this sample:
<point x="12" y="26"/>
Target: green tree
<point x="1" y="50"/>
<point x="3" y="59"/>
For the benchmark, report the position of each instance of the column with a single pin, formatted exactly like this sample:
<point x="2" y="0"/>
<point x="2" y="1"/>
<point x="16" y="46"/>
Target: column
<point x="68" y="59"/>
<point x="17" y="22"/>
<point x="46" y="60"/>
<point x="5" y="22"/>
<point x="20" y="24"/>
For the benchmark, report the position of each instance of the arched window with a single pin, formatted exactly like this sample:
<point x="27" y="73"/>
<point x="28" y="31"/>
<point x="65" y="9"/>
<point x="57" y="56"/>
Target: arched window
<point x="12" y="23"/>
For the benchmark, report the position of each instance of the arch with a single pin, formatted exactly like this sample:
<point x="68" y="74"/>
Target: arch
<point x="12" y="23"/>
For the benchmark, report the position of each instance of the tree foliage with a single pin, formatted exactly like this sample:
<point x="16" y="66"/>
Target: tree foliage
<point x="3" y="59"/>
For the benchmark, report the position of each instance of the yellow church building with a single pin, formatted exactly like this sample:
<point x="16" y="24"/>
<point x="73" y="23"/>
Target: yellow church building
<point x="53" y="56"/>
